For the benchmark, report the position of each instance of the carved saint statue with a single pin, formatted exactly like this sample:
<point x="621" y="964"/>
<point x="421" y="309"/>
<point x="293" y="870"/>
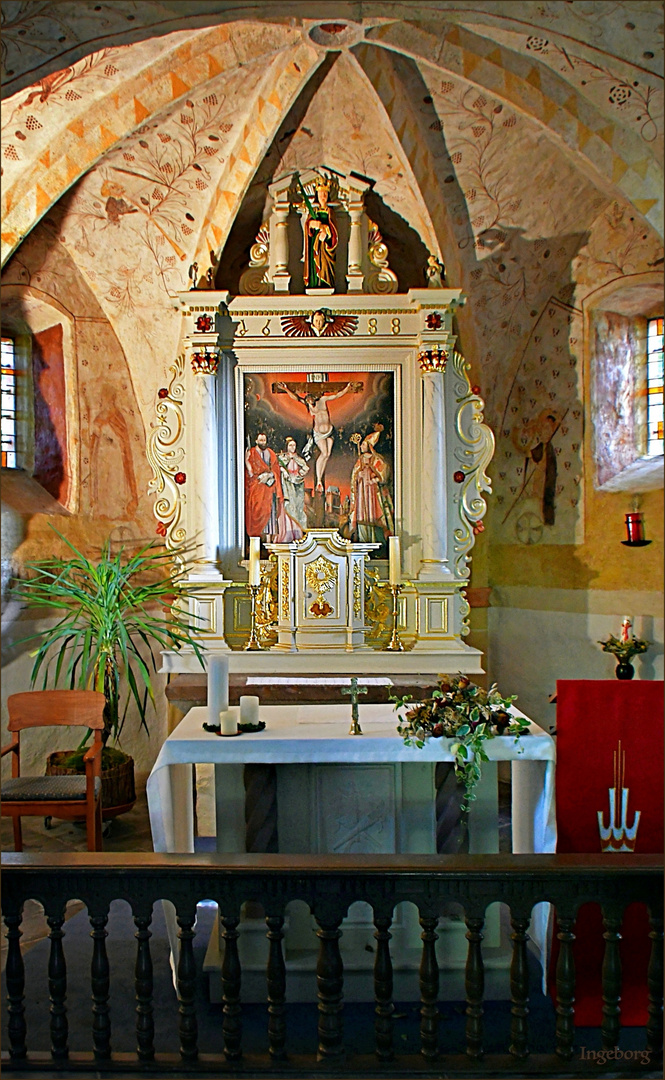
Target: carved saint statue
<point x="320" y="239"/>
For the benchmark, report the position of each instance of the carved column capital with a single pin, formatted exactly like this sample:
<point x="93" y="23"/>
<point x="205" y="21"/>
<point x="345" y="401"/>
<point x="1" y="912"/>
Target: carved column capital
<point x="433" y="358"/>
<point x="205" y="363"/>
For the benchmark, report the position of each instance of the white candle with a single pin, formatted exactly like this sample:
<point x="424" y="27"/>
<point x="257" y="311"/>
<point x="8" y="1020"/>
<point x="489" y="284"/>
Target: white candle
<point x="228" y="722"/>
<point x="394" y="561"/>
<point x="626" y="626"/>
<point x="218" y="686"/>
<point x="249" y="709"/>
<point x="255" y="560"/>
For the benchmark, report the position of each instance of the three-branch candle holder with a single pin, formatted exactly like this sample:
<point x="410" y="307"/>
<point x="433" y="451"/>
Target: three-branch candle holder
<point x="253" y="642"/>
<point x="395" y="643"/>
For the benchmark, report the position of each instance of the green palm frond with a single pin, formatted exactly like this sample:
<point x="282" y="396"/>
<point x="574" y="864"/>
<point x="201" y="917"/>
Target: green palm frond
<point x="114" y="612"/>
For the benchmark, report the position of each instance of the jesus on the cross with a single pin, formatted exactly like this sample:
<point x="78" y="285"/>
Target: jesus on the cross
<point x="323" y="432"/>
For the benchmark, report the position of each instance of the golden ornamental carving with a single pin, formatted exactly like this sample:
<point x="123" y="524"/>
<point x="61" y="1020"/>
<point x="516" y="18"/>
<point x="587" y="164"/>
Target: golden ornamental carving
<point x="266" y="604"/>
<point x="357" y="594"/>
<point x="433" y="359"/>
<point x="284" y="590"/>
<point x="321" y="577"/>
<point x="377" y="608"/>
<point x="165" y="454"/>
<point x="205" y="363"/>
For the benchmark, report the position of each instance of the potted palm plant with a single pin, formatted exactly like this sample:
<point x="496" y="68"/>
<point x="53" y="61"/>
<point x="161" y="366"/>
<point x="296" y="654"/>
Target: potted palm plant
<point x="114" y="612"/>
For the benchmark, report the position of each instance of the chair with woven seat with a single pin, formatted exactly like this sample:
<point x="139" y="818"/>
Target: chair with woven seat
<point x="69" y="797"/>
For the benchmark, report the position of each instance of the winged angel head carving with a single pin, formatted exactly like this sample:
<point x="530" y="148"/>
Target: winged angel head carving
<point x="319" y="323"/>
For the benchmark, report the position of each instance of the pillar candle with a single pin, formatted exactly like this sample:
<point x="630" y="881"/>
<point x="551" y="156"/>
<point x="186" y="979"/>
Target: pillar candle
<point x="228" y="722"/>
<point x="394" y="561"/>
<point x="249" y="709"/>
<point x="255" y="560"/>
<point x="626" y="625"/>
<point x="218" y="686"/>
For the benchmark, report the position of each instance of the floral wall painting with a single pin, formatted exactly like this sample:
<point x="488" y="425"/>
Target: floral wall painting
<point x="319" y="451"/>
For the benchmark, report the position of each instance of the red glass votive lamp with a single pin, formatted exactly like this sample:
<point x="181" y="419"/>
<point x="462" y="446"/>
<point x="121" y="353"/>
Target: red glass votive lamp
<point x="634" y="528"/>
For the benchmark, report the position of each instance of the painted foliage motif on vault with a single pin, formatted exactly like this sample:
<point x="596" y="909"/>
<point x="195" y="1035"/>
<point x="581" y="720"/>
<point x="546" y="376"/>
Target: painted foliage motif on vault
<point x="319" y="452"/>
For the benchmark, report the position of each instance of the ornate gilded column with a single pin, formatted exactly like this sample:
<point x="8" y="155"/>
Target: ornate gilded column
<point x="434" y="506"/>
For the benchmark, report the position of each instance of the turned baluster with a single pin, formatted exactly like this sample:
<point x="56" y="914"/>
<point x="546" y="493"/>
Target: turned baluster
<point x="519" y="988"/>
<point x="475" y="988"/>
<point x="231" y="975"/>
<point x="186" y="979"/>
<point x="100" y="982"/>
<point x="429" y="991"/>
<point x="330" y="982"/>
<point x="655" y="982"/>
<point x="57" y="987"/>
<point x="383" y="991"/>
<point x="145" y="1024"/>
<point x="611" y="978"/>
<point x="15" y="979"/>
<point x="565" y="988"/>
<point x="276" y="977"/>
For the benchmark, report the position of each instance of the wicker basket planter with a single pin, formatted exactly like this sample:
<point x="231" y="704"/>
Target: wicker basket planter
<point x="118" y="792"/>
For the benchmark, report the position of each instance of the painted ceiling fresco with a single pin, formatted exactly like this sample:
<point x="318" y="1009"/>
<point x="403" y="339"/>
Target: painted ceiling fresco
<point x="520" y="142"/>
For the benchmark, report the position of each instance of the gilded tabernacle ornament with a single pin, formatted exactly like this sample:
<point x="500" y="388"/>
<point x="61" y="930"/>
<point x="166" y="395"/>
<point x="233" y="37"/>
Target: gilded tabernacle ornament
<point x="321" y="577"/>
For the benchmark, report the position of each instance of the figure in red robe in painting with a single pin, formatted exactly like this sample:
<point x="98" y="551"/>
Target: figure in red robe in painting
<point x="371" y="517"/>
<point x="263" y="490"/>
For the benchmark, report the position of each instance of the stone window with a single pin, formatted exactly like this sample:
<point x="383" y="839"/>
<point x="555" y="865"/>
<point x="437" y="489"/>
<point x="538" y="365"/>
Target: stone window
<point x="654" y="387"/>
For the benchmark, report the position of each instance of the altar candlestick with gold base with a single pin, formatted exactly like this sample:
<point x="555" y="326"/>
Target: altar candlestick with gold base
<point x="395" y="643"/>
<point x="253" y="643"/>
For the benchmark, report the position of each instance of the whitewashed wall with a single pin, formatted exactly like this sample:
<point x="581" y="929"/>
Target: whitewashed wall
<point x="539" y="635"/>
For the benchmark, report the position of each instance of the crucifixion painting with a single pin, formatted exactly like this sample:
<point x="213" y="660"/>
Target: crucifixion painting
<point x="332" y="441"/>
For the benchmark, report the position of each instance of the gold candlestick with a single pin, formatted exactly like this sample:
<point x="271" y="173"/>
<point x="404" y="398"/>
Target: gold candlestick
<point x="253" y="642"/>
<point x="395" y="644"/>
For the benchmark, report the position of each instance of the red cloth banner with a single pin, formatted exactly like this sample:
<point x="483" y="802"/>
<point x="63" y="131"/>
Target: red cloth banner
<point x="609" y="760"/>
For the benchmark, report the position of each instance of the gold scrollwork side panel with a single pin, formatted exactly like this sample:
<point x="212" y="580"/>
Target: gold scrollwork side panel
<point x="165" y="455"/>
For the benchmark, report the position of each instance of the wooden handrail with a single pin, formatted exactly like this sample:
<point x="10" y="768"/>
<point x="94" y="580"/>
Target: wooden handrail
<point x="329" y="884"/>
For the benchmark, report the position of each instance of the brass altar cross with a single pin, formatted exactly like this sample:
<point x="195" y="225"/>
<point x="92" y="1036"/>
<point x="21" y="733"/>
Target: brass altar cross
<point x="353" y="690"/>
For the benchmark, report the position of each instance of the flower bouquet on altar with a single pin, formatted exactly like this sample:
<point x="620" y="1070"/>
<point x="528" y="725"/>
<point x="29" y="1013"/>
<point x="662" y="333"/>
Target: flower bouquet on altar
<point x="468" y="714"/>
<point x="624" y="649"/>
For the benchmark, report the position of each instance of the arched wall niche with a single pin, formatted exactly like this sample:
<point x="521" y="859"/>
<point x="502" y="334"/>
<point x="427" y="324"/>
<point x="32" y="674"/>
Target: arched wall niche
<point x="615" y="323"/>
<point x="48" y="412"/>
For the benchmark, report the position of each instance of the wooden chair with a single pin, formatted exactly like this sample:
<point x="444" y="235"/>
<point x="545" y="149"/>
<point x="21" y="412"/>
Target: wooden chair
<point x="69" y="797"/>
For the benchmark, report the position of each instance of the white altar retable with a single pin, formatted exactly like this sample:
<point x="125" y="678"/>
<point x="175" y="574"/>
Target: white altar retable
<point x="343" y="793"/>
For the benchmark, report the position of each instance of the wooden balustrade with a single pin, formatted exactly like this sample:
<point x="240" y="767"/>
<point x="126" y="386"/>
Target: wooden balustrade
<point x="329" y="885"/>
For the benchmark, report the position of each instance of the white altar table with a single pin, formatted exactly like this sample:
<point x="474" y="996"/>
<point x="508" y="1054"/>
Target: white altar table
<point x="384" y="802"/>
<point x="318" y="734"/>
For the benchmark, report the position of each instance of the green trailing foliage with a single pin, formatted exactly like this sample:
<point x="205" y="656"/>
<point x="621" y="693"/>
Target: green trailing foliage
<point x="467" y="714"/>
<point x="117" y="610"/>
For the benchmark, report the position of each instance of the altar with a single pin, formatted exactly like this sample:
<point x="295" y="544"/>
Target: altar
<point x="323" y="407"/>
<point x="334" y="792"/>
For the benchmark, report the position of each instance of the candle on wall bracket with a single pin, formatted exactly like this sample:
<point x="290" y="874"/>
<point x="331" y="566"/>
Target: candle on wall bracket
<point x="635" y="530"/>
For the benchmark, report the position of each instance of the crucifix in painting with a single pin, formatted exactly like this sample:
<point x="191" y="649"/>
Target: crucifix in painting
<point x="316" y="396"/>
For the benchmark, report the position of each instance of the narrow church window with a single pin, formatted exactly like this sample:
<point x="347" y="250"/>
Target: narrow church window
<point x="655" y="387"/>
<point x="9" y="403"/>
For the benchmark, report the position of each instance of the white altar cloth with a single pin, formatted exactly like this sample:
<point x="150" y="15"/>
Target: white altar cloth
<point x="317" y="734"/>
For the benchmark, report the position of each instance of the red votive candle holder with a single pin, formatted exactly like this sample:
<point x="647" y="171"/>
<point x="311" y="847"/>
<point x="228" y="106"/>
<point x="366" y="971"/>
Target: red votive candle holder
<point x="634" y="528"/>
